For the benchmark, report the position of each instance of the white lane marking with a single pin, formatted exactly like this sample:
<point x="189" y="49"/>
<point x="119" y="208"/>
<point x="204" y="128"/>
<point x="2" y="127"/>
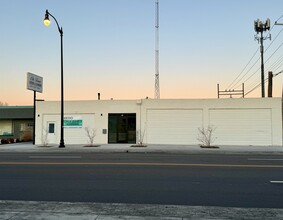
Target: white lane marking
<point x="276" y="181"/>
<point x="265" y="159"/>
<point x="55" y="157"/>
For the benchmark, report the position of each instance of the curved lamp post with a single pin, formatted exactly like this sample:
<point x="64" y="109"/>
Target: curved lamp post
<point x="47" y="22"/>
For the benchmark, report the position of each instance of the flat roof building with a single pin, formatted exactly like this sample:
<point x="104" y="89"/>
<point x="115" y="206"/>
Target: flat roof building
<point x="249" y="121"/>
<point x="16" y="122"/>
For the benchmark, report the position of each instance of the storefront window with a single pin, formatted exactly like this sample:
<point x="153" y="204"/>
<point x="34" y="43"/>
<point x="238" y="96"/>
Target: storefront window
<point x="6" y="127"/>
<point x="26" y="127"/>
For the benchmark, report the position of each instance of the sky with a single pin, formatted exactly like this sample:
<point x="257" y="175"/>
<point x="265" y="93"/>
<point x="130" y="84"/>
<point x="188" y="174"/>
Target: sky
<point x="109" y="48"/>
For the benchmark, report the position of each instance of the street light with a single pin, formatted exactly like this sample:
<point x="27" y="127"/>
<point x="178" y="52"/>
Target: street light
<point x="47" y="22"/>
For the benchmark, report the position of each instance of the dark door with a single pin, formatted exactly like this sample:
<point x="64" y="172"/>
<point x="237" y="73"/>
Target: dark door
<point x="121" y="128"/>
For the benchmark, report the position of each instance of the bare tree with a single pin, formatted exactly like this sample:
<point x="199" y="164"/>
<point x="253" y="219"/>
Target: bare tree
<point x="44" y="137"/>
<point x="91" y="133"/>
<point x="140" y="136"/>
<point x="205" y="136"/>
<point x="3" y="103"/>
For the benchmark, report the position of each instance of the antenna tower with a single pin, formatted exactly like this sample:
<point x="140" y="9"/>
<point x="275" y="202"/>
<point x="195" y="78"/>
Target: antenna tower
<point x="157" y="90"/>
<point x="260" y="27"/>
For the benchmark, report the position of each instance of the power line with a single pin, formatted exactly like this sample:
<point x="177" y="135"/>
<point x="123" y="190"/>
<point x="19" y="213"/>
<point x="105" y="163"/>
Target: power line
<point x="266" y="61"/>
<point x="231" y="84"/>
<point x="276" y="63"/>
<point x="274" y="52"/>
<point x="274" y="38"/>
<point x="260" y="83"/>
<point x="248" y="72"/>
<point x="252" y="84"/>
<point x="235" y="83"/>
<point x="278" y="67"/>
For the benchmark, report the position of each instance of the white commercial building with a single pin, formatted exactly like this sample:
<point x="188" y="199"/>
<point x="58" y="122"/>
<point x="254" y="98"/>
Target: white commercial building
<point x="249" y="121"/>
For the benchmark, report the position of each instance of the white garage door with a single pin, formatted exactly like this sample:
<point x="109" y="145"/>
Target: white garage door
<point x="242" y="126"/>
<point x="173" y="126"/>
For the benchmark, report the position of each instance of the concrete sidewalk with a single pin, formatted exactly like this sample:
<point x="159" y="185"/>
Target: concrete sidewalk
<point x="16" y="210"/>
<point x="128" y="148"/>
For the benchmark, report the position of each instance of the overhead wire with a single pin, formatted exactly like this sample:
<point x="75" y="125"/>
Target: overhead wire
<point x="269" y="56"/>
<point x="258" y="85"/>
<point x="249" y="71"/>
<point x="231" y="84"/>
<point x="279" y="67"/>
<point x="275" y="64"/>
<point x="274" y="51"/>
<point x="237" y="82"/>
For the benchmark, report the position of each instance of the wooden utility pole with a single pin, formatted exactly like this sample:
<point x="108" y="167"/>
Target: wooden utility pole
<point x="270" y="79"/>
<point x="231" y="93"/>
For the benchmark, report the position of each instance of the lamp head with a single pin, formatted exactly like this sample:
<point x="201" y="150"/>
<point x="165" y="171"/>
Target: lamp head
<point x="46" y="19"/>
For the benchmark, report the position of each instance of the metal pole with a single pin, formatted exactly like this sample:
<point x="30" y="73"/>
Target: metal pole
<point x="34" y="117"/>
<point x="62" y="144"/>
<point x="262" y="66"/>
<point x="270" y="79"/>
<point x="157" y="89"/>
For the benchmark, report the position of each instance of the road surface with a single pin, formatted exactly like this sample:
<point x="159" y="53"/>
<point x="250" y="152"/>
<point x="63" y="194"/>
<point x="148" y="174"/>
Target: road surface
<point x="194" y="180"/>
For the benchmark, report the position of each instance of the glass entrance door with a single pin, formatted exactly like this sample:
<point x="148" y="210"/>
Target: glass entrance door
<point x="122" y="128"/>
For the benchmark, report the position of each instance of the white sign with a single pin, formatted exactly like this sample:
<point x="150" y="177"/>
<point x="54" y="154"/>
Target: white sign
<point x="34" y="82"/>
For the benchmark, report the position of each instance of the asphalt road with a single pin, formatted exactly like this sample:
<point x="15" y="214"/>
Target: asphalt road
<point x="194" y="180"/>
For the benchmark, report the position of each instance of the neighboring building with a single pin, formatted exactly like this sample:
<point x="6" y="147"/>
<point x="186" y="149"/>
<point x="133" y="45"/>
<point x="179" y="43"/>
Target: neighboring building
<point x="16" y="122"/>
<point x="249" y="121"/>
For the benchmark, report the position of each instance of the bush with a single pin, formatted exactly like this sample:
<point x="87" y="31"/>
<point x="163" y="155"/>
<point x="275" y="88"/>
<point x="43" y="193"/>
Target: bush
<point x="205" y="136"/>
<point x="26" y="136"/>
<point x="4" y="141"/>
<point x="10" y="140"/>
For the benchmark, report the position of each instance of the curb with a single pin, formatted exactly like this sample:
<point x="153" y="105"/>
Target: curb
<point x="65" y="210"/>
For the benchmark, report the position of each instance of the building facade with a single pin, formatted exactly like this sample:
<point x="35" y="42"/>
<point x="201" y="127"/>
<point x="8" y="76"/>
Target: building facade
<point x="16" y="122"/>
<point x="253" y="121"/>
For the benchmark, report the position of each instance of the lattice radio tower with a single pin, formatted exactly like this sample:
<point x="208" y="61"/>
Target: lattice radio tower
<point x="157" y="89"/>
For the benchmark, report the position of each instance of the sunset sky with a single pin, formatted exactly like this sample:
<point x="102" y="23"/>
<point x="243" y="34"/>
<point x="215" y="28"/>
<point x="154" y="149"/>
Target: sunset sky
<point x="109" y="48"/>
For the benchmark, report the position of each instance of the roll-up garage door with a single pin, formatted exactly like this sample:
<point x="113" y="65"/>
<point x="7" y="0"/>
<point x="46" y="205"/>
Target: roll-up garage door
<point x="242" y="126"/>
<point x="173" y="126"/>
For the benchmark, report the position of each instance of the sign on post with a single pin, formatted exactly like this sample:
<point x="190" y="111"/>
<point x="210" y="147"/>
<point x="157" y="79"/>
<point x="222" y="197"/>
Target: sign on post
<point x="34" y="82"/>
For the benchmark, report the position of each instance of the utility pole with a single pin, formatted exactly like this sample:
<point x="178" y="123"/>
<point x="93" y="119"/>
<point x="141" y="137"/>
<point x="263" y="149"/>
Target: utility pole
<point x="260" y="27"/>
<point x="231" y="93"/>
<point x="276" y="23"/>
<point x="270" y="79"/>
<point x="157" y="89"/>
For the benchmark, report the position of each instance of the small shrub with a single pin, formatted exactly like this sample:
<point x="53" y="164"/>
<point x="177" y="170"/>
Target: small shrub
<point x="4" y="141"/>
<point x="205" y="136"/>
<point x="90" y="133"/>
<point x="10" y="140"/>
<point x="26" y="136"/>
<point x="44" y="137"/>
